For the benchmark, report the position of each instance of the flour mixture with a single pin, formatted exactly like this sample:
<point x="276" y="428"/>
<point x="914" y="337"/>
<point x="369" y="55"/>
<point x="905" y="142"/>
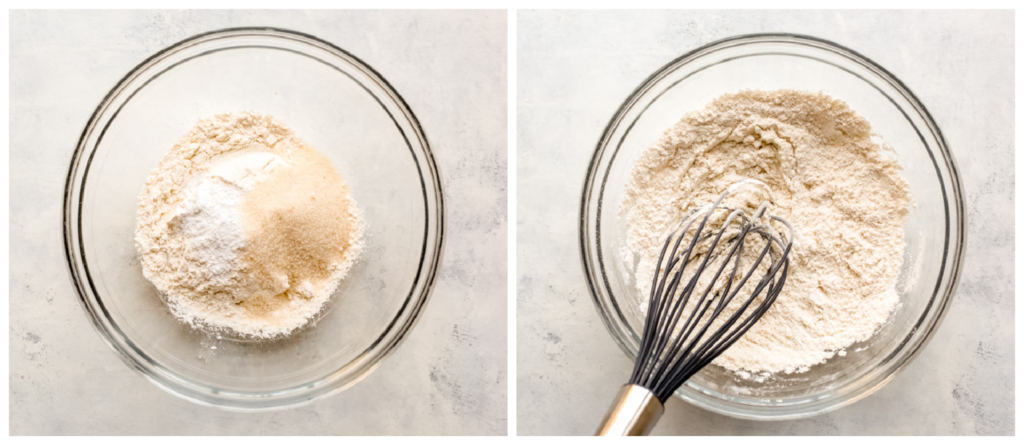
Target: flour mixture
<point x="243" y="227"/>
<point x="830" y="177"/>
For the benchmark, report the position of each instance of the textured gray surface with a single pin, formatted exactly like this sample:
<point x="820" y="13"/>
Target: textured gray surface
<point x="574" y="70"/>
<point x="449" y="377"/>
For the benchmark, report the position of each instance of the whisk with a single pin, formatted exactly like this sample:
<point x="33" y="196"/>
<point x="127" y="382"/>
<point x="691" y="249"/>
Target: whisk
<point x="704" y="273"/>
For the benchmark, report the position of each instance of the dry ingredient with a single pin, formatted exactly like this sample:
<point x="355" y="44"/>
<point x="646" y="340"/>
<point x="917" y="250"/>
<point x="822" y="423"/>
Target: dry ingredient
<point x="835" y="181"/>
<point x="243" y="227"/>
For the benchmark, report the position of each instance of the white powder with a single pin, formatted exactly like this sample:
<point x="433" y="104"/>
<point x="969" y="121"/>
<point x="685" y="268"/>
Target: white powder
<point x="200" y="247"/>
<point x="210" y="218"/>
<point x="840" y="189"/>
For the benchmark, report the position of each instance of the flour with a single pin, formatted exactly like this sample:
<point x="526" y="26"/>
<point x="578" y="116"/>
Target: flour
<point x="840" y="189"/>
<point x="199" y="243"/>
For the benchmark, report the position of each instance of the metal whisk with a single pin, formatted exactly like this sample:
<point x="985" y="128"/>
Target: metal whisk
<point x="680" y="335"/>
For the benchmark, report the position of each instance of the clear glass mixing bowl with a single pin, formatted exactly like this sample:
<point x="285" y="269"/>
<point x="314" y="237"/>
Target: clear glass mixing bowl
<point x="332" y="100"/>
<point x="934" y="233"/>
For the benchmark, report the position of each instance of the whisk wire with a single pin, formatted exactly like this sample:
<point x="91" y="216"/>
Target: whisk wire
<point x="703" y="304"/>
<point x="725" y="338"/>
<point x="717" y="339"/>
<point x="672" y="350"/>
<point x="774" y="288"/>
<point x="657" y="306"/>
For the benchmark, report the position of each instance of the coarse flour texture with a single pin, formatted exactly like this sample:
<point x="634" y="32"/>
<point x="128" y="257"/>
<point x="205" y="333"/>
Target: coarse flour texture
<point x="839" y="187"/>
<point x="243" y="227"/>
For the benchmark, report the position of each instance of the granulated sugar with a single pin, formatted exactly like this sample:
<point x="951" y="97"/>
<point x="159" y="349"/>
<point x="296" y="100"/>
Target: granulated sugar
<point x="243" y="227"/>
<point x="841" y="190"/>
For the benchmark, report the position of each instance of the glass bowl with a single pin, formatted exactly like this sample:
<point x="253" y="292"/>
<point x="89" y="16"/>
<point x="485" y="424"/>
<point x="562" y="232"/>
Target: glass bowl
<point x="339" y="105"/>
<point x="934" y="232"/>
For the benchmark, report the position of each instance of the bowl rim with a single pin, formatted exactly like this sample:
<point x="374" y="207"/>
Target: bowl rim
<point x="953" y="251"/>
<point x="430" y="254"/>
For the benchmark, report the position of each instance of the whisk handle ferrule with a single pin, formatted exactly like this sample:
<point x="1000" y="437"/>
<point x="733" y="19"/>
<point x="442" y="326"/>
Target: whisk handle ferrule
<point x="634" y="413"/>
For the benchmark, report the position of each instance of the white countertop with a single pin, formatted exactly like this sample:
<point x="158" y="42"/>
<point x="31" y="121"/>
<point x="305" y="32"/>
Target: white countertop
<point x="576" y="68"/>
<point x="450" y="375"/>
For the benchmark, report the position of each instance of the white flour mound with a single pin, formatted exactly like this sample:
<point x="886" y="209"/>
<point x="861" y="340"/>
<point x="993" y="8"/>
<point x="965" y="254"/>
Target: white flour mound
<point x="192" y="236"/>
<point x="841" y="190"/>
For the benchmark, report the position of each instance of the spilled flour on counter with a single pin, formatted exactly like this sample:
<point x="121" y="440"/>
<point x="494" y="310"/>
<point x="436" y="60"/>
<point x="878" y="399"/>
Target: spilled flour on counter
<point x="840" y="188"/>
<point x="244" y="227"/>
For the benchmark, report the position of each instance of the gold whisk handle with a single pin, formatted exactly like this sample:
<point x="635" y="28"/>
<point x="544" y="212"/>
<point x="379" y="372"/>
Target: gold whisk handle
<point x="634" y="413"/>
